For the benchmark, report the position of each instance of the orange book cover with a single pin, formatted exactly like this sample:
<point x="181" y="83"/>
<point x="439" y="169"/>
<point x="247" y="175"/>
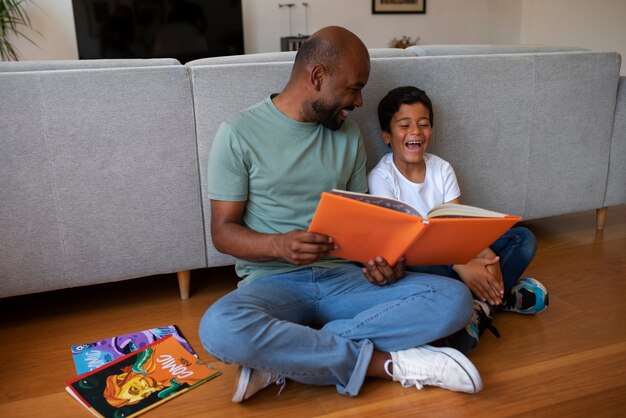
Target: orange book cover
<point x="141" y="380"/>
<point x="456" y="240"/>
<point x="365" y="226"/>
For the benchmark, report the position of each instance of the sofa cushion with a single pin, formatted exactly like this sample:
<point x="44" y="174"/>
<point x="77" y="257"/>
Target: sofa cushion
<point x="572" y="121"/>
<point x="480" y="109"/>
<point x="31" y="248"/>
<point x="108" y="185"/>
<point x="527" y="134"/>
<point x="237" y="86"/>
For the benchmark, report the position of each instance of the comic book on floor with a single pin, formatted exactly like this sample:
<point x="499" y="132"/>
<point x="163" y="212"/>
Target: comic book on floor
<point x="137" y="382"/>
<point x="90" y="356"/>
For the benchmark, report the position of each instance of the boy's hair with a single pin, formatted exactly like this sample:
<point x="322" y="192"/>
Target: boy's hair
<point x="391" y="103"/>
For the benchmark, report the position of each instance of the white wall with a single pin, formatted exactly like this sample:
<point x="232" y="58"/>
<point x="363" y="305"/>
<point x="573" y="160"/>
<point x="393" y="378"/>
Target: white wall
<point x="598" y="25"/>
<point x="445" y="22"/>
<point x="54" y="20"/>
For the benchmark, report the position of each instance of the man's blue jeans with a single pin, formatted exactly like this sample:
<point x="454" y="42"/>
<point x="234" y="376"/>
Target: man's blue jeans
<point x="320" y="326"/>
<point x="516" y="249"/>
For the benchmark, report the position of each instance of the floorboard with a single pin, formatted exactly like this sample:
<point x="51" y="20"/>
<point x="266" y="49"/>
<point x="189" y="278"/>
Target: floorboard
<point x="568" y="361"/>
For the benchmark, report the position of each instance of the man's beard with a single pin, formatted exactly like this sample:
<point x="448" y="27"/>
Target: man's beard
<point x="327" y="115"/>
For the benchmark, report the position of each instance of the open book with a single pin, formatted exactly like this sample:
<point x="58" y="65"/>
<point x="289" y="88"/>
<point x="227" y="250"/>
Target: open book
<point x="365" y="226"/>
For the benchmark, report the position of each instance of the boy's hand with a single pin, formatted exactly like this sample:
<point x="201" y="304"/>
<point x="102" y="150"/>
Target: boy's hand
<point x="380" y="273"/>
<point x="484" y="279"/>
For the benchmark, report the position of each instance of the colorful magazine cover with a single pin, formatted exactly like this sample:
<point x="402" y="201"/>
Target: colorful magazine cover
<point x="90" y="356"/>
<point x="137" y="382"/>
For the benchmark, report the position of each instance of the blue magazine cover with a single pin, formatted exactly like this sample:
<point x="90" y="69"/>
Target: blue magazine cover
<point x="90" y="356"/>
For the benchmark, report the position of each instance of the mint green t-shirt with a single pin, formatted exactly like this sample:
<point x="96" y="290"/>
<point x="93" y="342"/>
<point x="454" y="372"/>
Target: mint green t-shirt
<point x="280" y="166"/>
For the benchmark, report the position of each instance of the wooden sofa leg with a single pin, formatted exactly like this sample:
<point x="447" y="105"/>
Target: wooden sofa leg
<point x="184" y="282"/>
<point x="600" y="218"/>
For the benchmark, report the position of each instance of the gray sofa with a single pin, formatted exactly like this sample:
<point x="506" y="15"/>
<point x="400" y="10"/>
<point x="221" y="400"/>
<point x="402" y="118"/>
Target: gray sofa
<point x="103" y="163"/>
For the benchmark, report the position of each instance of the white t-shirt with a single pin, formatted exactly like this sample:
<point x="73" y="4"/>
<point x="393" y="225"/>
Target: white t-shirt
<point x="439" y="186"/>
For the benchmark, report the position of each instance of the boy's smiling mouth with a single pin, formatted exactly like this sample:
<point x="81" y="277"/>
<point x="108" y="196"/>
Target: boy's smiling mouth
<point x="414" y="145"/>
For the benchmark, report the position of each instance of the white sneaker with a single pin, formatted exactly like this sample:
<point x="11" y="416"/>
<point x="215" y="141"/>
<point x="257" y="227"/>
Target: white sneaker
<point x="434" y="366"/>
<point x="251" y="381"/>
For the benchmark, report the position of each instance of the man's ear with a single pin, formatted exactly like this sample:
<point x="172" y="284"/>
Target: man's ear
<point x="317" y="76"/>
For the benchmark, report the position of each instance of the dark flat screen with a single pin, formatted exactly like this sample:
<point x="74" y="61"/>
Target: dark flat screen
<point x="181" y="29"/>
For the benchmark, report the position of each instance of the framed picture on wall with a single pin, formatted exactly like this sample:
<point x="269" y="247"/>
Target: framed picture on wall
<point x="398" y="6"/>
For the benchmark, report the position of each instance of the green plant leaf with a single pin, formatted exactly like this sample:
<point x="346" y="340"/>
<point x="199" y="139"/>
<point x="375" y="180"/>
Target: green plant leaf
<point x="13" y="19"/>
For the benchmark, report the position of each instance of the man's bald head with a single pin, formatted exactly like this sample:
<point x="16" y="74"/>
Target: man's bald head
<point x="330" y="46"/>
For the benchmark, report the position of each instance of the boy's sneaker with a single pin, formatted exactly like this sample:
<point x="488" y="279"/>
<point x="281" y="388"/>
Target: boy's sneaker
<point x="528" y="296"/>
<point x="434" y="366"/>
<point x="251" y="381"/>
<point x="466" y="339"/>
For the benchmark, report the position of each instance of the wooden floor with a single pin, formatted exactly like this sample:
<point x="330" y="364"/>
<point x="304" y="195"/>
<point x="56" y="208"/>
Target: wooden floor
<point x="569" y="361"/>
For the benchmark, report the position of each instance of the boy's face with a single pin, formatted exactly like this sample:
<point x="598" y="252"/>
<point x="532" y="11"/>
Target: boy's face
<point x="410" y="134"/>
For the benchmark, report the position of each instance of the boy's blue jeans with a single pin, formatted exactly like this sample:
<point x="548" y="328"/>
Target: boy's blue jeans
<point x="320" y="326"/>
<point x="516" y="249"/>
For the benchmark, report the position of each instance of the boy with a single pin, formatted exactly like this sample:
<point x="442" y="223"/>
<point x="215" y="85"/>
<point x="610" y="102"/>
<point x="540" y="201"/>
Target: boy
<point x="424" y="180"/>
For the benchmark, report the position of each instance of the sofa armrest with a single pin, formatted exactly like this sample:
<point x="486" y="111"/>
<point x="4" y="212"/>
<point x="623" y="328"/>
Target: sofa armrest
<point x="616" y="182"/>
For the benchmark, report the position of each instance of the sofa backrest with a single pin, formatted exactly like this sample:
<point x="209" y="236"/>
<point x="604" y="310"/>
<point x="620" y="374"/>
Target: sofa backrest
<point x="480" y="49"/>
<point x="245" y="59"/>
<point x="99" y="176"/>
<point x="13" y="66"/>
<point x="516" y="127"/>
<point x="288" y="56"/>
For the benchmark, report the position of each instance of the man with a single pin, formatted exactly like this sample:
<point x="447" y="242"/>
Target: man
<point x="299" y="313"/>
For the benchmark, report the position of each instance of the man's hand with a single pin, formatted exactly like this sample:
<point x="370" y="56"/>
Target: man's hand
<point x="231" y="236"/>
<point x="301" y="247"/>
<point x="380" y="273"/>
<point x="483" y="278"/>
